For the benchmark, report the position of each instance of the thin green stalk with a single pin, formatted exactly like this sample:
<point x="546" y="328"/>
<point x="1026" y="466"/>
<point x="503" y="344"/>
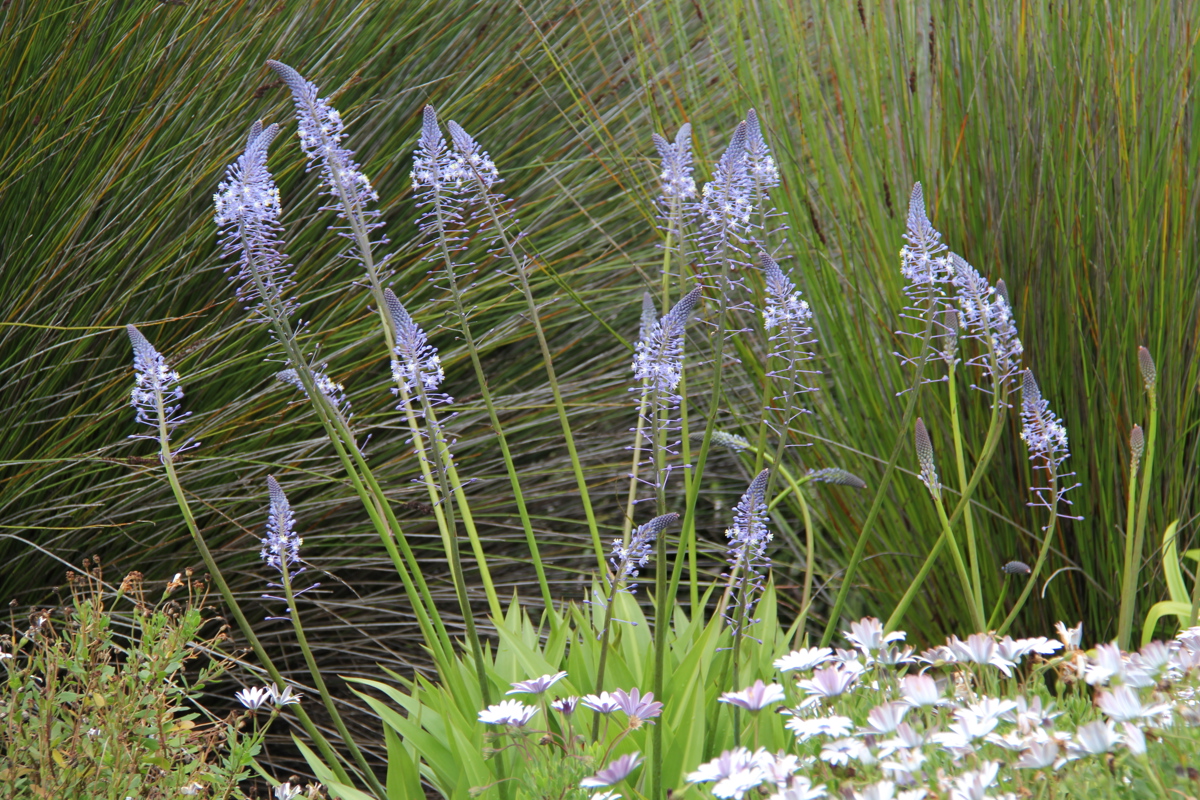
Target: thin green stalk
<point x="959" y="564"/>
<point x="485" y="392"/>
<point x="960" y="463"/>
<point x="1041" y="559"/>
<point x="1144" y="499"/>
<point x="861" y="545"/>
<point x="1129" y="573"/>
<point x="996" y="610"/>
<point x="230" y="601"/>
<point x="989" y="449"/>
<point x="520" y="267"/>
<point x="323" y="690"/>
<point x="436" y="454"/>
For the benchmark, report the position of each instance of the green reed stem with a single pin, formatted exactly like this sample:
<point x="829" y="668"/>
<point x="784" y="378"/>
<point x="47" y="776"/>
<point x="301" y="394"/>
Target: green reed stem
<point x="996" y="610"/>
<point x="1139" y="541"/>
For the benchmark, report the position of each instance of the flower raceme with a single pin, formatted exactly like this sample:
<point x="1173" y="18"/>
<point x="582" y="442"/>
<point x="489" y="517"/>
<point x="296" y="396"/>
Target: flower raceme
<point x="321" y="131"/>
<point x="417" y="366"/>
<point x="676" y="173"/>
<point x="658" y="358"/>
<point x="155" y="385"/>
<point x="247" y="216"/>
<point x="747" y="554"/>
<point x="628" y="559"/>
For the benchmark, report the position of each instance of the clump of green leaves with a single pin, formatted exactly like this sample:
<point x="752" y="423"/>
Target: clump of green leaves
<point x="96" y="703"/>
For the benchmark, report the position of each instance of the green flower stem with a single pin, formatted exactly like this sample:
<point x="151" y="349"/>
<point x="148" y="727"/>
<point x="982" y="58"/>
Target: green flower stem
<point x="627" y="526"/>
<point x="861" y="545"/>
<point x="367" y="773"/>
<point x="231" y="602"/>
<point x="1041" y="559"/>
<point x="664" y="599"/>
<point x="520" y="267"/>
<point x="960" y="464"/>
<point x="1132" y="561"/>
<point x="461" y="311"/>
<point x="995" y="615"/>
<point x="437" y="455"/>
<point x="1139" y="541"/>
<point x="374" y="500"/>
<point x="959" y="564"/>
<point x="989" y="449"/>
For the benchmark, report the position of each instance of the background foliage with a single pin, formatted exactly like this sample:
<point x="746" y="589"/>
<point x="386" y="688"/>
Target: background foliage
<point x="1056" y="143"/>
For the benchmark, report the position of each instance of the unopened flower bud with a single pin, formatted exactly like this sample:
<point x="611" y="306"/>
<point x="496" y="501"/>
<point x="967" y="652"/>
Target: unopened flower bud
<point x="1149" y="372"/>
<point x="925" y="458"/>
<point x="1137" y="443"/>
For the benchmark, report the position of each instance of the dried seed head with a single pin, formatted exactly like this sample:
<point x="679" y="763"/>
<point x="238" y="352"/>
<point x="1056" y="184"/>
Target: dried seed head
<point x="925" y="457"/>
<point x="1137" y="443"/>
<point x="1149" y="372"/>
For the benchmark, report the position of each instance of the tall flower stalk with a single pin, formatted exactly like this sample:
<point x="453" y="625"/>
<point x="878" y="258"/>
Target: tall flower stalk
<point x="436" y="175"/>
<point x="1046" y="438"/>
<point x="247" y="214"/>
<point x="157" y="385"/>
<point x="925" y="270"/>
<point x="417" y="373"/>
<point x="1133" y="562"/>
<point x="788" y="319"/>
<point x="281" y="550"/>
<point x="481" y="175"/>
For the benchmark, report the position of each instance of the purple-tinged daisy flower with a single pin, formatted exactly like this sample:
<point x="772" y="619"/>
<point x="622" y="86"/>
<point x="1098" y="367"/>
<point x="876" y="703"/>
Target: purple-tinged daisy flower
<point x="639" y="709"/>
<point x="733" y="773"/>
<point x="804" y="659"/>
<point x="283" y="697"/>
<point x="565" y="705"/>
<point x="800" y="788"/>
<point x="603" y="703"/>
<point x="868" y="636"/>
<point x="536" y="685"/>
<point x="754" y="698"/>
<point x="254" y="697"/>
<point x="1122" y="704"/>
<point x="617" y="770"/>
<point x="828" y="682"/>
<point x="921" y="690"/>
<point x="810" y="728"/>
<point x="1093" y="739"/>
<point x="886" y="717"/>
<point x="1038" y="755"/>
<point x="508" y="712"/>
<point x="1072" y="638"/>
